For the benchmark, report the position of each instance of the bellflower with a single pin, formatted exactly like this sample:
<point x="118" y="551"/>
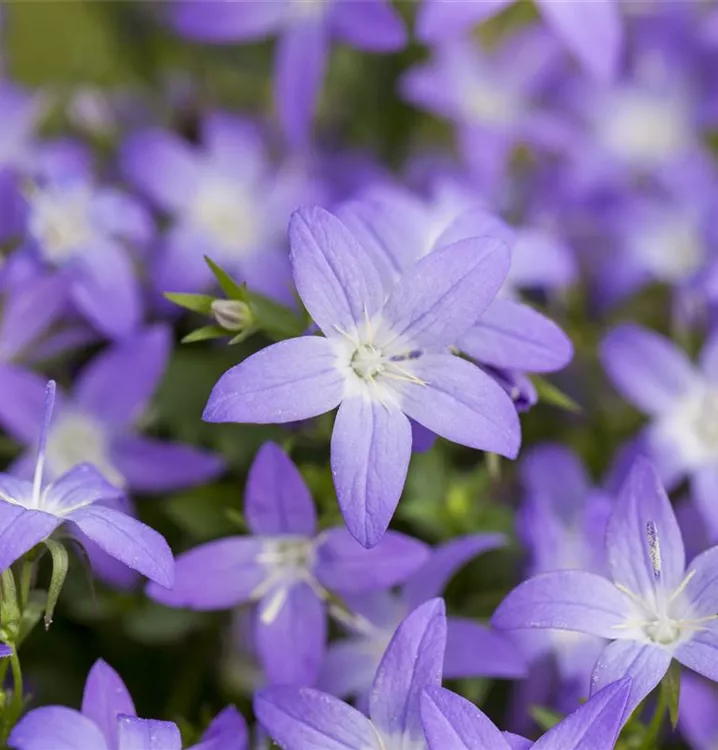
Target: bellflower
<point x="592" y="31"/>
<point x="302" y="718"/>
<point x="225" y="199"/>
<point x="472" y="650"/>
<point x="652" y="608"/>
<point x="452" y="723"/>
<point x="287" y="568"/>
<point x="30" y="511"/>
<point x="107" y="721"/>
<point x="697" y="716"/>
<point x="681" y="399"/>
<point x="305" y="29"/>
<point x="98" y="422"/>
<point x="382" y="359"/>
<point x="82" y="228"/>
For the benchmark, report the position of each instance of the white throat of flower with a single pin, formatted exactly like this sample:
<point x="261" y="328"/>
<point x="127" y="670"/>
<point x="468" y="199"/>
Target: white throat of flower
<point x="60" y="221"/>
<point x="76" y="437"/>
<point x="662" y="617"/>
<point x="226" y="210"/>
<point x="672" y="249"/>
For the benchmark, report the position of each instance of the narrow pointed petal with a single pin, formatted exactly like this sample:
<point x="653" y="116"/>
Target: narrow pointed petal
<point x="431" y="579"/>
<point x="649" y="370"/>
<point x="301" y="61"/>
<point x="592" y="31"/>
<point x="370" y="452"/>
<point x="21" y="530"/>
<point x="156" y="466"/>
<point x="412" y="662"/>
<point x="700" y="653"/>
<point x="293" y="380"/>
<point x="514" y="336"/>
<point x="105" y="698"/>
<point x="701" y="590"/>
<point x="56" y="727"/>
<point x="473" y="650"/>
<point x="372" y="25"/>
<point x="439" y="298"/>
<point x="594" y="726"/>
<point x="460" y="402"/>
<point x="349" y="667"/>
<point x="439" y="20"/>
<point x="291" y="635"/>
<point x="565" y="600"/>
<point x="217" y="575"/>
<point x="147" y="734"/>
<point x="127" y="540"/>
<point x="643" y="540"/>
<point x="276" y="498"/>
<point x="305" y="719"/>
<point x="335" y="277"/>
<point x="22" y="402"/>
<point x="697" y="716"/>
<point x="222" y="21"/>
<point x="118" y="384"/>
<point x="644" y="664"/>
<point x="452" y="723"/>
<point x="82" y="485"/>
<point x="345" y="566"/>
<point x="227" y="731"/>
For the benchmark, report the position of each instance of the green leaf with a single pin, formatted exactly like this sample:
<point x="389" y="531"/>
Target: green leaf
<point x="60" y="564"/>
<point x="31" y="615"/>
<point x="199" y="303"/>
<point x="277" y="321"/>
<point x="203" y="334"/>
<point x="671" y="687"/>
<point x="550" y="394"/>
<point x="229" y="286"/>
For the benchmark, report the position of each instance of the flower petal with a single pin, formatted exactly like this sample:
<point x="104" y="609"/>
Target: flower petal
<point x="217" y="575"/>
<point x="305" y="719"/>
<point x="473" y="650"/>
<point x="594" y="726"/>
<point x="293" y="380"/>
<point x="461" y="403"/>
<point x="370" y="452"/>
<point x="21" y="530"/>
<point x="156" y="466"/>
<point x="56" y="727"/>
<point x="335" y="276"/>
<point x="412" y="662"/>
<point x="565" y="600"/>
<point x="371" y="25"/>
<point x="439" y="20"/>
<point x="301" y="60"/>
<point x="700" y="653"/>
<point x="514" y="336"/>
<point x="431" y="579"/>
<point x="104" y="699"/>
<point x="276" y="498"/>
<point x="118" y="384"/>
<point x="227" y="731"/>
<point x="345" y="566"/>
<point x="22" y="402"/>
<point x="439" y="298"/>
<point x="452" y="723"/>
<point x="697" y="716"/>
<point x="643" y="540"/>
<point x="81" y="485"/>
<point x="349" y="667"/>
<point x="645" y="664"/>
<point x="648" y="369"/>
<point x="223" y="21"/>
<point x="291" y="635"/>
<point x="147" y="734"/>
<point x="127" y="540"/>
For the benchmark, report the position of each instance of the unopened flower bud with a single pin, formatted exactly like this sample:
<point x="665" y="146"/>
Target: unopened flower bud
<point x="232" y="314"/>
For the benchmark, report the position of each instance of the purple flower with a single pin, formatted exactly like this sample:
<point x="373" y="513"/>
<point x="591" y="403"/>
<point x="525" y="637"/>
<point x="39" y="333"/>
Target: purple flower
<point x="697" y="716"/>
<point x="287" y="568"/>
<point x="472" y="650"/>
<point x="452" y="722"/>
<point x="305" y="28"/>
<point x="592" y="31"/>
<point x="682" y="400"/>
<point x="21" y="112"/>
<point x="76" y="225"/>
<point x="225" y="199"/>
<point x="30" y="511"/>
<point x="381" y="360"/>
<point x="108" y="721"/>
<point x="97" y="423"/>
<point x="651" y="608"/>
<point x="301" y="718"/>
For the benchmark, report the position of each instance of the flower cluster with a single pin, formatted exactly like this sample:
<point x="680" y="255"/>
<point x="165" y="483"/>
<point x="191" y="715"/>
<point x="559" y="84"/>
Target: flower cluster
<point x="359" y="375"/>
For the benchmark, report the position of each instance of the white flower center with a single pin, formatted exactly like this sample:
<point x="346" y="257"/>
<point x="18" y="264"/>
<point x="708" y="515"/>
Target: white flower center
<point x="367" y="361"/>
<point x="60" y="221"/>
<point x="643" y="128"/>
<point x="75" y="438"/>
<point x="692" y="426"/>
<point x="226" y="210"/>
<point x="485" y="102"/>
<point x="308" y="9"/>
<point x="672" y="249"/>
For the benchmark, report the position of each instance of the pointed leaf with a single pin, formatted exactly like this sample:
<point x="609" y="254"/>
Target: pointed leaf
<point x="60" y="564"/>
<point x="550" y="394"/>
<point x="205" y="333"/>
<point x="199" y="303"/>
<point x="229" y="286"/>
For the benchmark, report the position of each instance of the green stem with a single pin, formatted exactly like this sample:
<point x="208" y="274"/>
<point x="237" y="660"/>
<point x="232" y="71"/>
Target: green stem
<point x="25" y="581"/>
<point x="650" y="740"/>
<point x="17" y="691"/>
